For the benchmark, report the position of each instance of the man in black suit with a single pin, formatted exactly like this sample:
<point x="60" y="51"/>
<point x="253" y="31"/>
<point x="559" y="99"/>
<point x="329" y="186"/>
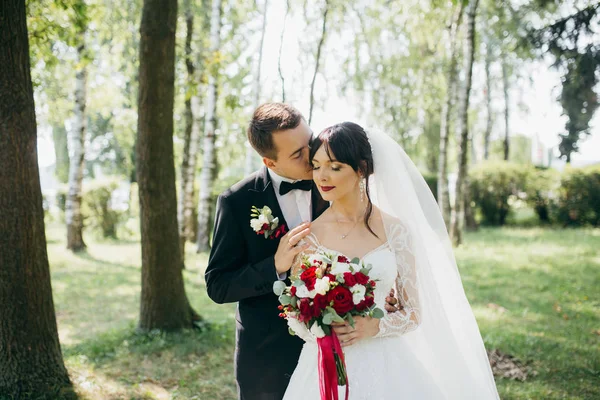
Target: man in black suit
<point x="244" y="265"/>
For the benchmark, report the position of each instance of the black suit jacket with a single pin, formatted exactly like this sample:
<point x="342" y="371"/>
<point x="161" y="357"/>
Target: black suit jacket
<point x="241" y="268"/>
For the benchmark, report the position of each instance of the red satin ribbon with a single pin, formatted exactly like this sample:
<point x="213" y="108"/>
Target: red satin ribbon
<point x="328" y="377"/>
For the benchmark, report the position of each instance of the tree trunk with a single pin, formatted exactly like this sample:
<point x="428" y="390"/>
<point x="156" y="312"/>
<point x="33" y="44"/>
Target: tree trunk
<point x="207" y="176"/>
<point x="164" y="304"/>
<point x="77" y="157"/>
<point x="457" y="216"/>
<point x="190" y="97"/>
<point x="187" y="199"/>
<point x="488" y="103"/>
<point x="506" y="88"/>
<point x="287" y="11"/>
<point x="250" y="153"/>
<point x="61" y="151"/>
<point x="443" y="195"/>
<point x="318" y="61"/>
<point x="31" y="364"/>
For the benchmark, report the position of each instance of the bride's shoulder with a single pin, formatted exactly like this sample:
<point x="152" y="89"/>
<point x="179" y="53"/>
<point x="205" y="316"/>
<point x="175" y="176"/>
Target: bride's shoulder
<point x="393" y="224"/>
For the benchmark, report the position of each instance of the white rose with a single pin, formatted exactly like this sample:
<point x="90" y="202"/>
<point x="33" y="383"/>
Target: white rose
<point x="255" y="224"/>
<point x="358" y="293"/>
<point x="267" y="211"/>
<point x="295" y="325"/>
<point x="339" y="268"/>
<point x="317" y="330"/>
<point x="262" y="219"/>
<point x="354" y="267"/>
<point x="303" y="292"/>
<point x="322" y="286"/>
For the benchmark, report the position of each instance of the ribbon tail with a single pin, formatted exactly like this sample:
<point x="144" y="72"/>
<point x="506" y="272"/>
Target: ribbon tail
<point x="340" y="354"/>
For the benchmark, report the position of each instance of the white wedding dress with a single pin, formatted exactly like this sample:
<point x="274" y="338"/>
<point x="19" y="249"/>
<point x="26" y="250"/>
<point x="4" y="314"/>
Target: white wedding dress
<point x="385" y="366"/>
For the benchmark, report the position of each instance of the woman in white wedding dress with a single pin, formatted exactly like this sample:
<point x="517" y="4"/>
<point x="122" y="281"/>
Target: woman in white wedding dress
<point x="383" y="212"/>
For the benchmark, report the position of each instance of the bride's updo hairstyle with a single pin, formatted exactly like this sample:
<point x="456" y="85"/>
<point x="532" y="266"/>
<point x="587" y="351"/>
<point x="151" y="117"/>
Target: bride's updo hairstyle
<point x="348" y="143"/>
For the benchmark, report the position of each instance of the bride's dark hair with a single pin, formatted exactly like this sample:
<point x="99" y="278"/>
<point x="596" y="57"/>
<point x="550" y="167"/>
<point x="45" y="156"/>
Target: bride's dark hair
<point x="350" y="145"/>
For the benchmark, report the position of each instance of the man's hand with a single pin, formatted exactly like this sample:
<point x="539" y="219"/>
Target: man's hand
<point x="392" y="304"/>
<point x="364" y="327"/>
<point x="288" y="247"/>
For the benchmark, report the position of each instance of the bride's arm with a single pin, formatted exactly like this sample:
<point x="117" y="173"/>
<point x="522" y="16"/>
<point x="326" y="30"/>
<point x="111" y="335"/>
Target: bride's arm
<point x="409" y="317"/>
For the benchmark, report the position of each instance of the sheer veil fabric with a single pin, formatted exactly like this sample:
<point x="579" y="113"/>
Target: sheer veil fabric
<point x="447" y="342"/>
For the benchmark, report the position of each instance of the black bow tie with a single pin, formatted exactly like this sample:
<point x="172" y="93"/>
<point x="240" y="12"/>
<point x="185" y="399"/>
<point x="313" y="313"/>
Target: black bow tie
<point x="285" y="187"/>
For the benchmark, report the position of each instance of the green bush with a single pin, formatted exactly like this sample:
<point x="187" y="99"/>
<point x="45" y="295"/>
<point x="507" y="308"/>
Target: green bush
<point x="494" y="186"/>
<point x="578" y="198"/>
<point x="98" y="209"/>
<point x="542" y="185"/>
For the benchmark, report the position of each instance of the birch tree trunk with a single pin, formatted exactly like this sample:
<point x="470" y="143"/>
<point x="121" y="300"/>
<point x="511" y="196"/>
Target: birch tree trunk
<point x="191" y="138"/>
<point x="287" y="11"/>
<point x="251" y="155"/>
<point x="457" y="217"/>
<point x="31" y="363"/>
<point x="505" y="85"/>
<point x="488" y="103"/>
<point x="443" y="195"/>
<point x="76" y="144"/>
<point x="318" y="61"/>
<point x="164" y="304"/>
<point x="207" y="176"/>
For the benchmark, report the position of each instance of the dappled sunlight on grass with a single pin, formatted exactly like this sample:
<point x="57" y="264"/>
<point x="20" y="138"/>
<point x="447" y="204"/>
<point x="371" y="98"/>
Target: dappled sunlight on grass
<point x="534" y="293"/>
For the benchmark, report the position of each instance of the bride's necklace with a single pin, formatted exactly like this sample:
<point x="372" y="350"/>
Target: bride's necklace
<point x="345" y="235"/>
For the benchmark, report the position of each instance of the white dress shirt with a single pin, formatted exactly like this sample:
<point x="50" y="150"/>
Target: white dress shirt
<point x="296" y="205"/>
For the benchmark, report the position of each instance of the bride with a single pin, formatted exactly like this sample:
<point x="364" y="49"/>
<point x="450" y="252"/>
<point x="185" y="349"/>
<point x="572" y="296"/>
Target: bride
<point x="383" y="212"/>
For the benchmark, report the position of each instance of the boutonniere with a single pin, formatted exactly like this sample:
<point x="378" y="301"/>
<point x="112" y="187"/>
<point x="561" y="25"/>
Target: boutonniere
<point x="263" y="223"/>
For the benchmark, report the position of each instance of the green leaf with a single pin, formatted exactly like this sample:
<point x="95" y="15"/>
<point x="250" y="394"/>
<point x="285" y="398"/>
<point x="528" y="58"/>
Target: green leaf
<point x="365" y="271"/>
<point x="278" y="287"/>
<point x="285" y="300"/>
<point x="328" y="318"/>
<point x="377" y="313"/>
<point x="350" y="320"/>
<point x="355" y="260"/>
<point x="291" y="331"/>
<point x="294" y="302"/>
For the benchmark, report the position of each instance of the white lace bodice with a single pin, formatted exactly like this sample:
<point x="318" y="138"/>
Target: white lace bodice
<point x="393" y="267"/>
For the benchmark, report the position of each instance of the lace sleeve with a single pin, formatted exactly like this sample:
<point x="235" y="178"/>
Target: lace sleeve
<point x="409" y="318"/>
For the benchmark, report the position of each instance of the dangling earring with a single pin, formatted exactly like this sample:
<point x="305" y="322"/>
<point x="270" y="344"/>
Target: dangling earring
<point x="362" y="185"/>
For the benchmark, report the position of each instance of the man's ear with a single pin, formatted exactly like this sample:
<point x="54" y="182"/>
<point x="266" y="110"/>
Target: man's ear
<point x="269" y="163"/>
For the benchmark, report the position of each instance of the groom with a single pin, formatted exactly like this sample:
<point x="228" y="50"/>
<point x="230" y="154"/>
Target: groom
<point x="243" y="265"/>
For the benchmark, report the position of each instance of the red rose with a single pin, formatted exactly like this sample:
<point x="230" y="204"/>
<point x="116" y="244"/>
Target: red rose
<point x="361" y="278"/>
<point x="349" y="279"/>
<point x="265" y="227"/>
<point x="320" y="302"/>
<point x="341" y="298"/>
<point x="306" y="311"/>
<point x="293" y="291"/>
<point x="309" y="277"/>
<point x="366" y="303"/>
<point x="331" y="277"/>
<point x="372" y="283"/>
<point x="343" y="259"/>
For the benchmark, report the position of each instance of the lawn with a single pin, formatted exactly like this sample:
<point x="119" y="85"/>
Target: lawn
<point x="535" y="293"/>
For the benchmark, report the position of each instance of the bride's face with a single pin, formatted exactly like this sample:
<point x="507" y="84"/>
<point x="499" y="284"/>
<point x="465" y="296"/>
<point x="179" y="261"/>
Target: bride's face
<point x="334" y="179"/>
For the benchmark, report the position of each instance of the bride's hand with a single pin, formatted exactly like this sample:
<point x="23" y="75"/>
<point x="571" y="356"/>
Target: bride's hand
<point x="364" y="327"/>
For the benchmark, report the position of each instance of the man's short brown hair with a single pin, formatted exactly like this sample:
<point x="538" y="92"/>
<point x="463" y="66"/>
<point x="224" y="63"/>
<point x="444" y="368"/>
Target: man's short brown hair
<point x="267" y="119"/>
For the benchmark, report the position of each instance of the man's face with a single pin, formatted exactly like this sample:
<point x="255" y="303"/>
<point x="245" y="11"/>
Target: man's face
<point x="292" y="153"/>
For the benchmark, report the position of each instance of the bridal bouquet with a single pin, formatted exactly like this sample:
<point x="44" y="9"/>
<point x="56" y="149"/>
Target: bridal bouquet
<point x="328" y="289"/>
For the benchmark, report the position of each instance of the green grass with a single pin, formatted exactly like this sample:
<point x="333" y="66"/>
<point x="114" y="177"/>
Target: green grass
<point x="547" y="280"/>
